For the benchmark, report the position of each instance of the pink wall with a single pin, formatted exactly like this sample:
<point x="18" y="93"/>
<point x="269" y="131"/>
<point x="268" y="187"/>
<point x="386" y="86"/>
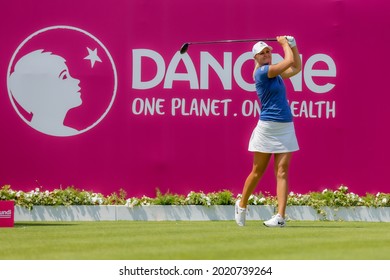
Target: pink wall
<point x="109" y="142"/>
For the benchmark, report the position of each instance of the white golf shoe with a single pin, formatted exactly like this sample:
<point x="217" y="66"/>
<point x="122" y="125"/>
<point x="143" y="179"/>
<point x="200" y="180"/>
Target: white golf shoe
<point x="275" y="221"/>
<point x="239" y="214"/>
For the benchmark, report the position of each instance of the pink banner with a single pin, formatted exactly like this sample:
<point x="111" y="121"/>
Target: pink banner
<point x="95" y="94"/>
<point x="7" y="214"/>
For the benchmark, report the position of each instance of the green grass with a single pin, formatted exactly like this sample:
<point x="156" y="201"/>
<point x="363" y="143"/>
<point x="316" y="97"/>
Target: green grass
<point x="211" y="240"/>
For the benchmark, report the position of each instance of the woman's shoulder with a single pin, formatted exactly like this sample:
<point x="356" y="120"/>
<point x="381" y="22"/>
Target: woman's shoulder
<point x="261" y="72"/>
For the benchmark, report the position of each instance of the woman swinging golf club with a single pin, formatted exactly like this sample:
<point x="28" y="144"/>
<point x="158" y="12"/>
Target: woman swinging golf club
<point x="274" y="133"/>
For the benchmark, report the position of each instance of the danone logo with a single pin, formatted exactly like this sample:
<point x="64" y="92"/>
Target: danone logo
<point x="62" y="81"/>
<point x="318" y="77"/>
<point x="6" y="214"/>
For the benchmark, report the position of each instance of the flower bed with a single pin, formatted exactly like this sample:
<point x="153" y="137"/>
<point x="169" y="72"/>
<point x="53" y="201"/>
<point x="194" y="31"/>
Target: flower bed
<point x="192" y="213"/>
<point x="72" y="204"/>
<point x="340" y="197"/>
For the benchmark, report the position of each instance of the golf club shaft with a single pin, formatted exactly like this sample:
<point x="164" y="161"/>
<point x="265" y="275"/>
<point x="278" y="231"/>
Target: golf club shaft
<point x="231" y="41"/>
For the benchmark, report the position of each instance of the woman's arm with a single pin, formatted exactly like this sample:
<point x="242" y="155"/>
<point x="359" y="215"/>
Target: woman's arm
<point x="285" y="65"/>
<point x="297" y="65"/>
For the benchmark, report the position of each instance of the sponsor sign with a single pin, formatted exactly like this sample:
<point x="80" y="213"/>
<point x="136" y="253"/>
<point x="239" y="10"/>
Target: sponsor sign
<point x="6" y="213"/>
<point x="96" y="95"/>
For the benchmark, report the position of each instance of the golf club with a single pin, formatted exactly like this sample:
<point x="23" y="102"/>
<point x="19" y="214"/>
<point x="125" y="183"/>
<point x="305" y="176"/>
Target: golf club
<point x="185" y="46"/>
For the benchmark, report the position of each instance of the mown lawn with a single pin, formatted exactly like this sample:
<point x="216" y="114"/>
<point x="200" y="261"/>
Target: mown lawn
<point x="183" y="240"/>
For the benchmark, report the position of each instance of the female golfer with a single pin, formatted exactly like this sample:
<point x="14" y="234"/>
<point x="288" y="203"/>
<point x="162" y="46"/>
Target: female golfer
<point x="274" y="133"/>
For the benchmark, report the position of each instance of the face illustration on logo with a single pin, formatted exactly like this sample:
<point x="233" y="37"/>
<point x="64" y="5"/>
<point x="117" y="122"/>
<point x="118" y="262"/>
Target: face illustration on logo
<point x="62" y="81"/>
<point x="42" y="85"/>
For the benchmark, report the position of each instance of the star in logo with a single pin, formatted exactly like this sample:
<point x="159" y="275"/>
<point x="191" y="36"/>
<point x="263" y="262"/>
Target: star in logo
<point x="92" y="56"/>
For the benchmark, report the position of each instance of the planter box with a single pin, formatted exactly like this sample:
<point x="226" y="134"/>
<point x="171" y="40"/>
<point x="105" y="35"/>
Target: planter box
<point x="302" y="213"/>
<point x="361" y="213"/>
<point x="189" y="213"/>
<point x="66" y="213"/>
<point x="138" y="213"/>
<point x="6" y="213"/>
<point x="192" y="213"/>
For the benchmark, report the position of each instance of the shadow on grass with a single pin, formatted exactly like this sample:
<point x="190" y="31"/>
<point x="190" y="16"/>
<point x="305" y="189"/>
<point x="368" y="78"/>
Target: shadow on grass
<point x="34" y="224"/>
<point x="324" y="226"/>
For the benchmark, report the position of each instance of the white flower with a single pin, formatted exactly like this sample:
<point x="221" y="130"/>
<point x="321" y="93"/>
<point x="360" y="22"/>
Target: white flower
<point x="343" y="188"/>
<point x="291" y="193"/>
<point x="189" y="194"/>
<point x="384" y="200"/>
<point x="324" y="191"/>
<point x="96" y="199"/>
<point x="131" y="202"/>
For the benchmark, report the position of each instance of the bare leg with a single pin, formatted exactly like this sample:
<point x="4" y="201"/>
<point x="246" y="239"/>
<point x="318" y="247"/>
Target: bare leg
<point x="282" y="163"/>
<point x="260" y="163"/>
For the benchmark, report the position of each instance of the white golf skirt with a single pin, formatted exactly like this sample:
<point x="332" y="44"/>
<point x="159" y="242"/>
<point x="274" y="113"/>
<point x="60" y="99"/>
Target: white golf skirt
<point x="273" y="137"/>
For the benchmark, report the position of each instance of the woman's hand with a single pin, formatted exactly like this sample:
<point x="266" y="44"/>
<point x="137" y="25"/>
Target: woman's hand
<point x="282" y="40"/>
<point x="291" y="41"/>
